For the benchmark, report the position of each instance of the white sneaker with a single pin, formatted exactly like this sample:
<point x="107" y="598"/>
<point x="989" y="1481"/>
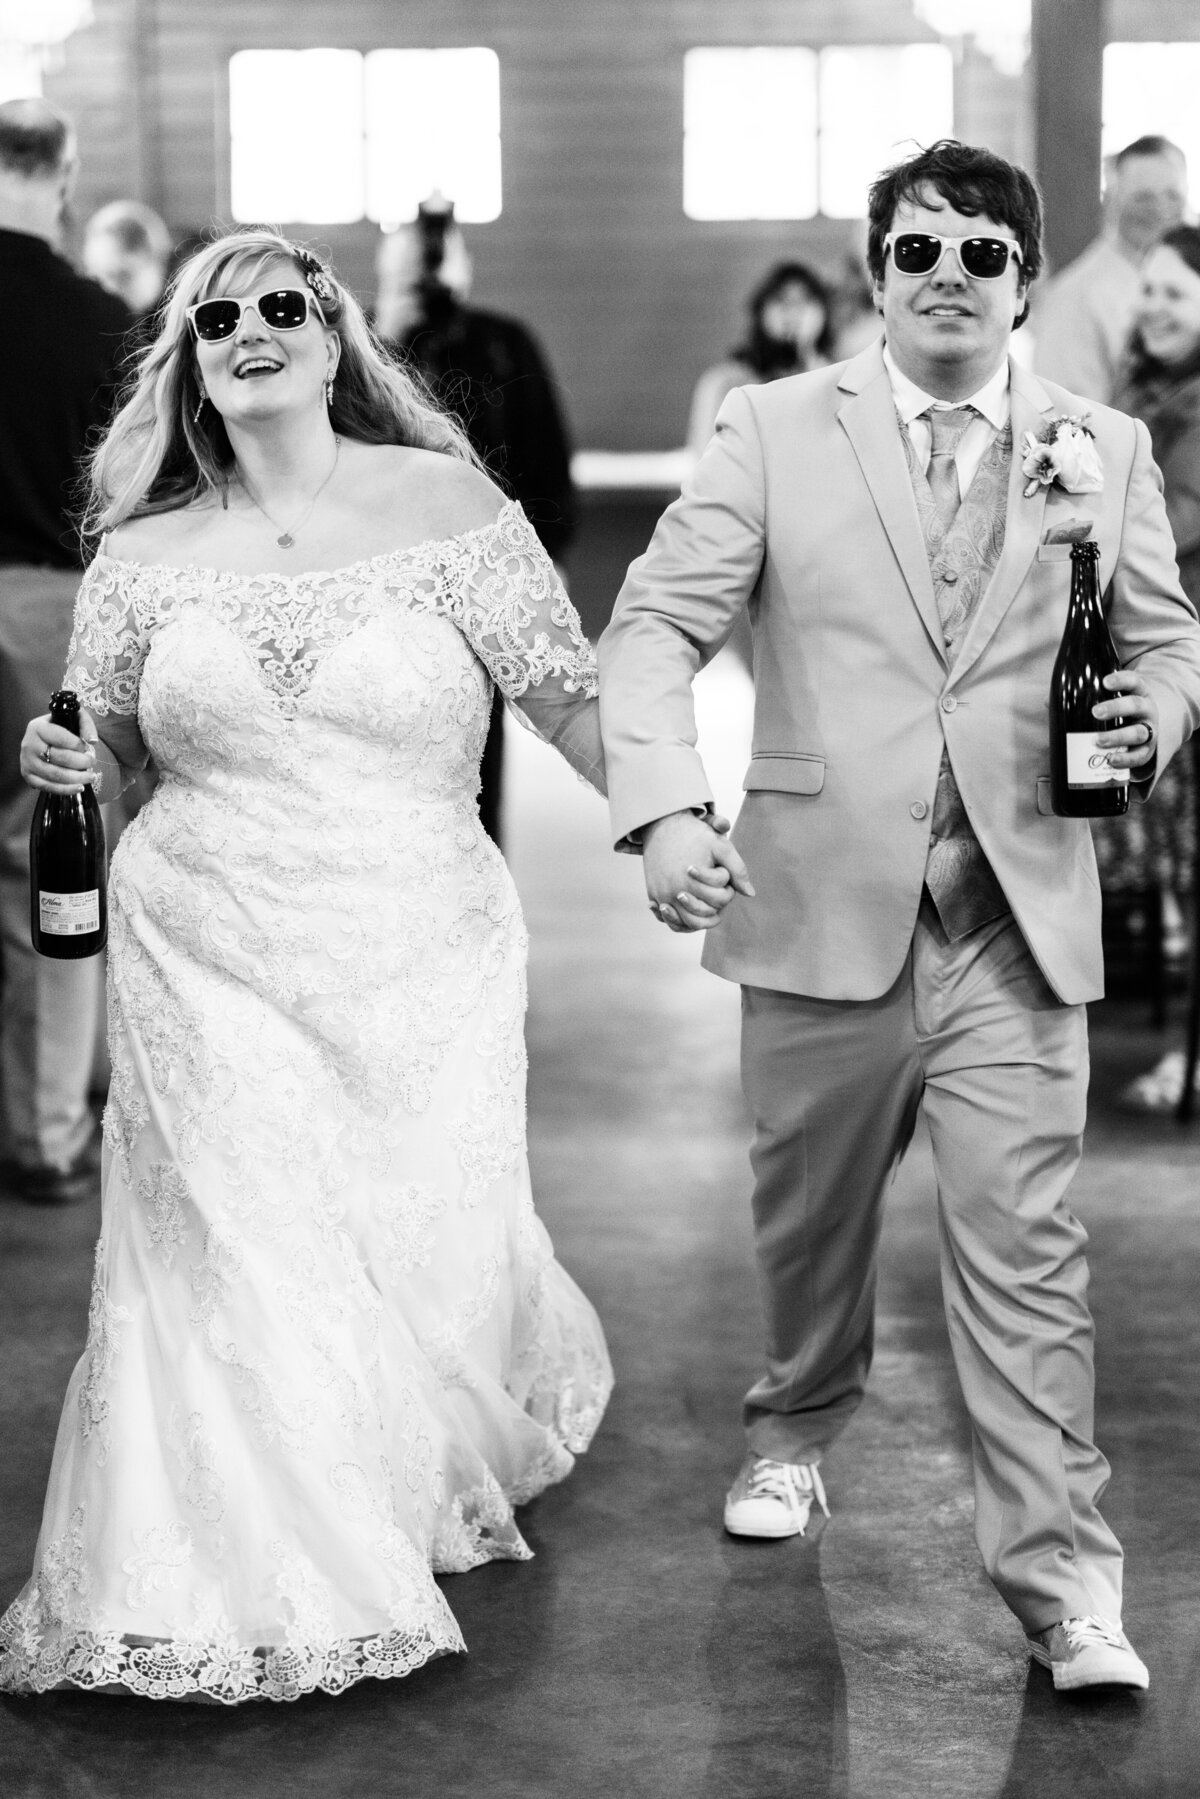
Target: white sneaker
<point x="1088" y="1652"/>
<point x="773" y="1499"/>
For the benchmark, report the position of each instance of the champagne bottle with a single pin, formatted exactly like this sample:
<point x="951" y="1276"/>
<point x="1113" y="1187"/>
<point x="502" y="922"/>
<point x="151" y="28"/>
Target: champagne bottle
<point x="1083" y="782"/>
<point x="68" y="898"/>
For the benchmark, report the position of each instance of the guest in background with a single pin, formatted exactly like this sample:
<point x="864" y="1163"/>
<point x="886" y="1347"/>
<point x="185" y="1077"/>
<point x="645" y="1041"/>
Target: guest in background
<point x="856" y="323"/>
<point x="790" y="331"/>
<point x="1152" y="849"/>
<point x="63" y="352"/>
<point x="1085" y="315"/>
<point x="127" y="249"/>
<point x="491" y="372"/>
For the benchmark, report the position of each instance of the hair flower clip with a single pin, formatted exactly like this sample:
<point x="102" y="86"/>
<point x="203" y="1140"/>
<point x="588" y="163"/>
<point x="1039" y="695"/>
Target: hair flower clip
<point x="1062" y="454"/>
<point x="316" y="275"/>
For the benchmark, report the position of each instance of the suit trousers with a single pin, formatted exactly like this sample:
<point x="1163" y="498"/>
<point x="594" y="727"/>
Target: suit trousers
<point x="971" y="1033"/>
<point x="49" y="1011"/>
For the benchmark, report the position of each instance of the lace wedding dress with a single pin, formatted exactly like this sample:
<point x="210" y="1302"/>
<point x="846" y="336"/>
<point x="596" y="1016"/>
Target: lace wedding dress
<point x="329" y="1348"/>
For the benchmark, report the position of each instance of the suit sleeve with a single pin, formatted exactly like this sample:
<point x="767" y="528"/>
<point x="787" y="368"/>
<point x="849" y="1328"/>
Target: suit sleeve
<point x="1153" y="623"/>
<point x="678" y="605"/>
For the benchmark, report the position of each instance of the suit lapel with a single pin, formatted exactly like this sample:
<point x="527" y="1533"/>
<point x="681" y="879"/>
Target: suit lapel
<point x="868" y="416"/>
<point x="1023" y="525"/>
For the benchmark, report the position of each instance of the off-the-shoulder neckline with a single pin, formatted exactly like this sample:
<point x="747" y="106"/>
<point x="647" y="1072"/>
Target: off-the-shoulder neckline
<point x="313" y="574"/>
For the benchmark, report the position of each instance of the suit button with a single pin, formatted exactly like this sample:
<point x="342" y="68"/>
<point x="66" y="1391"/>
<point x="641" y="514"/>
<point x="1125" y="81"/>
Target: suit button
<point x="949" y="576"/>
<point x="918" y="809"/>
<point x="949" y="703"/>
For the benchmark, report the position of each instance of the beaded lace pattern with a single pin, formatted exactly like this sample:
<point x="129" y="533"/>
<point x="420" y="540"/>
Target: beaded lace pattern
<point x="329" y="1348"/>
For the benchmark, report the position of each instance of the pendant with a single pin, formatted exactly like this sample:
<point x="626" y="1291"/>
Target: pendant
<point x="286" y="541"/>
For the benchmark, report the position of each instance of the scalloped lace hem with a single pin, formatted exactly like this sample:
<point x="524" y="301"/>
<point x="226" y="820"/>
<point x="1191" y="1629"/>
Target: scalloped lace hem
<point x="223" y="1673"/>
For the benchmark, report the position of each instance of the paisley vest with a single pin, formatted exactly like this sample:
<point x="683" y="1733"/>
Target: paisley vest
<point x="962" y="559"/>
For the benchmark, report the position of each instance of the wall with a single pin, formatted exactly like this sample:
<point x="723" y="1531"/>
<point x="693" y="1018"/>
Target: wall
<point x="631" y="298"/>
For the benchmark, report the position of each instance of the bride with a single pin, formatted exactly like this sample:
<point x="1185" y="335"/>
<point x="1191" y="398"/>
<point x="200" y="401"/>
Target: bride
<point x="329" y="1349"/>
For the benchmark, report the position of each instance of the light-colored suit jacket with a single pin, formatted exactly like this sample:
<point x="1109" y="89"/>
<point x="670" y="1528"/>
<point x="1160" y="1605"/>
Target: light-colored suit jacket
<point x="802" y="509"/>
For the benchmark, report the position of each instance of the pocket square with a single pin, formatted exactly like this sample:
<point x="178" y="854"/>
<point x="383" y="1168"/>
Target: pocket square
<point x="1073" y="530"/>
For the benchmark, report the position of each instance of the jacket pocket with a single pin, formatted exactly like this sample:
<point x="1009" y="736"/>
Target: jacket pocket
<point x="785" y="771"/>
<point x="1043" y="790"/>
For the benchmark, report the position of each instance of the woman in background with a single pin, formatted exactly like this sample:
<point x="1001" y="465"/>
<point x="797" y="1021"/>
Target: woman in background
<point x="791" y="331"/>
<point x="1152" y="848"/>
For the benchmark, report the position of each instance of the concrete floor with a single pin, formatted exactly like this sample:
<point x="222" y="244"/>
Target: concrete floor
<point x="642" y="1652"/>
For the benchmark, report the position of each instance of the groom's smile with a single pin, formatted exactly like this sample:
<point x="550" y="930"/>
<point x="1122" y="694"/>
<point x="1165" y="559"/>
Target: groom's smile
<point x="947" y="330"/>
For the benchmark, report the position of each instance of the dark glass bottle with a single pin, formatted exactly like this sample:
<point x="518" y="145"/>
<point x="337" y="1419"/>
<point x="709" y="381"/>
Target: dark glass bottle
<point x="68" y="875"/>
<point x="1083" y="783"/>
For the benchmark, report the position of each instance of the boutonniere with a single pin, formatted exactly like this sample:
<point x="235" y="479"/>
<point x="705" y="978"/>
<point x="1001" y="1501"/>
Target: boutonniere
<point x="1063" y="453"/>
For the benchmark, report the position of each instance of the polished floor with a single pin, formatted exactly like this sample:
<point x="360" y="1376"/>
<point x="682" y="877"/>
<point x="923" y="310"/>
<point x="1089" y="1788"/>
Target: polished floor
<point x="642" y="1652"/>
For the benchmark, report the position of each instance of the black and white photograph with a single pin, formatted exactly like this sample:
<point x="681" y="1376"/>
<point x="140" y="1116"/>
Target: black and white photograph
<point x="599" y="937"/>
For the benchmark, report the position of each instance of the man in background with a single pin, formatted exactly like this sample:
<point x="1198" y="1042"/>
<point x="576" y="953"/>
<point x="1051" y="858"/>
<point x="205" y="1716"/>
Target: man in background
<point x="62" y="362"/>
<point x="1083" y="322"/>
<point x="492" y="373"/>
<point x="127" y="249"/>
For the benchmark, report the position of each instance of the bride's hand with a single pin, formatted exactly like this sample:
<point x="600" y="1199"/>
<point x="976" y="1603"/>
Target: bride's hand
<point x="54" y="759"/>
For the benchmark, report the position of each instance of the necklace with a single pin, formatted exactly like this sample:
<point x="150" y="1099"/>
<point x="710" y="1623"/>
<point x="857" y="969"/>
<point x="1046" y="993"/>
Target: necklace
<point x="287" y="534"/>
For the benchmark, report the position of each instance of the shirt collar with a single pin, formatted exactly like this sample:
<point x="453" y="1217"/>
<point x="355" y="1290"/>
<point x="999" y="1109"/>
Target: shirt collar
<point x="992" y="399"/>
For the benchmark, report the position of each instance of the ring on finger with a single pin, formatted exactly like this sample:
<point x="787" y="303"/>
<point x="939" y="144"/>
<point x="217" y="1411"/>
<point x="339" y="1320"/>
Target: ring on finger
<point x="46" y="754"/>
<point x="1149" y="728"/>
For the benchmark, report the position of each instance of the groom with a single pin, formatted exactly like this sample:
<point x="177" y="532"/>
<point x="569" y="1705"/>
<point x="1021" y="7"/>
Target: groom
<point x="921" y="932"/>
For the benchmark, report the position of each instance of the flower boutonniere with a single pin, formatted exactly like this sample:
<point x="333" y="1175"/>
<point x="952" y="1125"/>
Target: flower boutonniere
<point x="1063" y="453"/>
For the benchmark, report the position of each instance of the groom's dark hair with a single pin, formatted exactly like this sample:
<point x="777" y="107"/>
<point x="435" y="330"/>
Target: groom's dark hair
<point x="972" y="180"/>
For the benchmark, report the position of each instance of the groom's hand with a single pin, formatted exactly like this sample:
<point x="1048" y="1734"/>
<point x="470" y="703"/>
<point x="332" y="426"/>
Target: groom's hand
<point x="692" y="871"/>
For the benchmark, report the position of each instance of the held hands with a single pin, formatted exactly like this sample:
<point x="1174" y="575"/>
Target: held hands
<point x="1134" y="744"/>
<point x="54" y="759"/>
<point x="692" y="870"/>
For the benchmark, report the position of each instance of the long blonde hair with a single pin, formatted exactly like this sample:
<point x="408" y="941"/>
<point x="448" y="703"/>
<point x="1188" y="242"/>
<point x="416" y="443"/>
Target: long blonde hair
<point x="158" y="455"/>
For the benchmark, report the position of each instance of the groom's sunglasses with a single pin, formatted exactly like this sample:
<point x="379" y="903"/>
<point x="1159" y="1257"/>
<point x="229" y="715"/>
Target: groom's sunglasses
<point x="920" y="252"/>
<point x="283" y="309"/>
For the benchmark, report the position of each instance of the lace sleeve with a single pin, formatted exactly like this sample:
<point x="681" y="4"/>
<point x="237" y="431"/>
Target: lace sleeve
<point x="514" y="612"/>
<point x="108" y="642"/>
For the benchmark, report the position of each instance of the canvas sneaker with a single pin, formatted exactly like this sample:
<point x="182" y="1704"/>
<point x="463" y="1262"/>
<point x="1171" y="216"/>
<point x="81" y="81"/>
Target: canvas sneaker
<point x="1088" y="1652"/>
<point x="773" y="1499"/>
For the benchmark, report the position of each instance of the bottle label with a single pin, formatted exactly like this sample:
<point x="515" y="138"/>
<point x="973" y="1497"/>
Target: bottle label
<point x="69" y="914"/>
<point x="1088" y="765"/>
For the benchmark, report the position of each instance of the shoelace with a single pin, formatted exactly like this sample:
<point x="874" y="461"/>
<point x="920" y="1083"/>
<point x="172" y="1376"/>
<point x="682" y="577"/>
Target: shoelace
<point x="785" y="1480"/>
<point x="1079" y="1632"/>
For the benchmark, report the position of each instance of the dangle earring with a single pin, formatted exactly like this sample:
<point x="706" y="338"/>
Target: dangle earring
<point x="329" y="392"/>
<point x="200" y="405"/>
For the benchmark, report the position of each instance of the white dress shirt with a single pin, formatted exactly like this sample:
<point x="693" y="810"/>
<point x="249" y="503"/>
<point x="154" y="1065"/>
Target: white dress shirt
<point x="991" y="402"/>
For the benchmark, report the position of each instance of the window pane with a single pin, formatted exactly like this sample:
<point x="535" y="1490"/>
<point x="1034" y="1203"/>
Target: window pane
<point x="1152" y="88"/>
<point x="876" y="105"/>
<point x="20" y="72"/>
<point x="296" y="135"/>
<point x="749" y="133"/>
<point x="433" y="124"/>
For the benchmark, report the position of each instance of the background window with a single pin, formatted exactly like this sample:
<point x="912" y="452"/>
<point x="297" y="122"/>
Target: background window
<point x="433" y="123"/>
<point x="1153" y="88"/>
<point x="328" y="136"/>
<point x="296" y="135"/>
<point x="875" y="106"/>
<point x="780" y="133"/>
<point x="750" y="134"/>
<point x="20" y="72"/>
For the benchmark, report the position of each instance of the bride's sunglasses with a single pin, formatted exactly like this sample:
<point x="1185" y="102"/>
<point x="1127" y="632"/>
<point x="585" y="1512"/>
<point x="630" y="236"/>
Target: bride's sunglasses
<point x="920" y="252"/>
<point x="282" y="309"/>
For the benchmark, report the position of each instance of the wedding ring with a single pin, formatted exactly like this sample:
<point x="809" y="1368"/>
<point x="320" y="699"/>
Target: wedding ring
<point x="1149" y="732"/>
<point x="46" y="754"/>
